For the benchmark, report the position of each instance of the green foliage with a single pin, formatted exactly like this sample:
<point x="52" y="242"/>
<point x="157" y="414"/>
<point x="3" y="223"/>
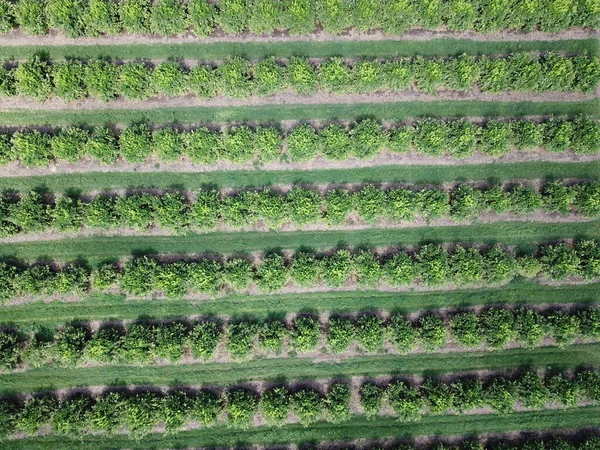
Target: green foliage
<point x="68" y="79"/>
<point x="33" y="79"/>
<point x="272" y="334"/>
<point x="370" y="332"/>
<point x="308" y="405"/>
<point x="135" y="143"/>
<point x="340" y="333"/>
<point x="302" y="76"/>
<point x="532" y="391"/>
<point x="465" y="329"/>
<point x="241" y="337"/>
<point x="302" y="143"/>
<point x="370" y="203"/>
<point x="305" y="333"/>
<point x="334" y="76"/>
<point x="135" y="16"/>
<point x="134" y="81"/>
<point x="168" y="78"/>
<point x="233" y="15"/>
<point x="31" y="16"/>
<point x="71" y="418"/>
<point x="100" y="79"/>
<point x="432" y="332"/>
<point x="275" y="404"/>
<point x="498" y="326"/>
<point x="271" y="274"/>
<point x="405" y="401"/>
<point x="402" y="333"/>
<point x="337" y="403"/>
<point x="168" y="17"/>
<point x="501" y="395"/>
<point x="65" y="16"/>
<point x="201" y="16"/>
<point x="241" y="406"/>
<point x="101" y="17"/>
<point x="337" y="268"/>
<point x="371" y="399"/>
<point x="334" y="143"/>
<point x="204" y="338"/>
<point x="304" y="205"/>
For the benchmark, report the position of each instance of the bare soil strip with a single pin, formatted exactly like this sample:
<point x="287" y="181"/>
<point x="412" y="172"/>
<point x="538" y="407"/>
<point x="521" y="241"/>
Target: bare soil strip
<point x="353" y="223"/>
<point x="384" y="158"/>
<point x="289" y="98"/>
<point x="18" y="37"/>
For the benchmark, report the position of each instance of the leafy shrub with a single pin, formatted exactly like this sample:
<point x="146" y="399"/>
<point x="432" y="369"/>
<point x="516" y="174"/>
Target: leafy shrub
<point x="241" y="337"/>
<point x="32" y="79"/>
<point x="340" y="333"/>
<point x="370" y="203"/>
<point x="305" y="269"/>
<point x="402" y="333"/>
<point x="134" y="81"/>
<point x="302" y="76"/>
<point x="371" y="399"/>
<point x="335" y="143"/>
<point x="369" y="332"/>
<point x="168" y="17"/>
<point x="31" y="16"/>
<point x="135" y="143"/>
<point x="100" y="79"/>
<point x="405" y="401"/>
<point x="432" y="332"/>
<point x="135" y="16"/>
<point x="302" y="143"/>
<point x="308" y="405"/>
<point x="334" y="76"/>
<point x="437" y="396"/>
<point x="337" y="268"/>
<point x="68" y="79"/>
<point x="101" y="16"/>
<point x="275" y="405"/>
<point x="337" y="403"/>
<point x="271" y="274"/>
<point x="498" y="326"/>
<point x="65" y="15"/>
<point x="271" y="335"/>
<point x="400" y="270"/>
<point x="71" y="417"/>
<point x="304" y="205"/>
<point x="168" y="78"/>
<point x="465" y="329"/>
<point x="501" y="395"/>
<point x="305" y="333"/>
<point x="532" y="391"/>
<point x="204" y="338"/>
<point x="207" y="407"/>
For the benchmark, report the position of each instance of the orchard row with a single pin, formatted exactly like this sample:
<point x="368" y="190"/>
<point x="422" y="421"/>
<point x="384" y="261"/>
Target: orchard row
<point x="365" y="139"/>
<point x="149" y="343"/>
<point x="77" y="18"/>
<point x="240" y="78"/>
<point x="429" y="265"/>
<point x="299" y="206"/>
<point x="141" y="412"/>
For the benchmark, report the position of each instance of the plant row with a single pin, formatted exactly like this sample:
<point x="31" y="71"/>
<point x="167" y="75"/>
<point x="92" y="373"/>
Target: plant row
<point x="77" y="18"/>
<point x="140" y="412"/>
<point x="299" y="206"/>
<point x="240" y="78"/>
<point x="147" y="343"/>
<point x="364" y="140"/>
<point x="430" y="265"/>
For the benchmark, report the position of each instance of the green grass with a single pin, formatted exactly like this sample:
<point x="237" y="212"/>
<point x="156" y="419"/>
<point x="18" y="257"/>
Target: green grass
<point x="274" y="369"/>
<point x="356" y="428"/>
<point x="115" y="307"/>
<point x="498" y="172"/>
<point x="391" y="110"/>
<point x="526" y="235"/>
<point x="255" y="50"/>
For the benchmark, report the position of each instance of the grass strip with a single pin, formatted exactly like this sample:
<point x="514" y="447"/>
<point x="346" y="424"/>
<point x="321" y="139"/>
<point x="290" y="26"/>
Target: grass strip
<point x="525" y="235"/>
<point x="115" y="307"/>
<point x="274" y="369"/>
<point x="317" y="49"/>
<point x="493" y="173"/>
<point x="276" y="113"/>
<point x="355" y="428"/>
